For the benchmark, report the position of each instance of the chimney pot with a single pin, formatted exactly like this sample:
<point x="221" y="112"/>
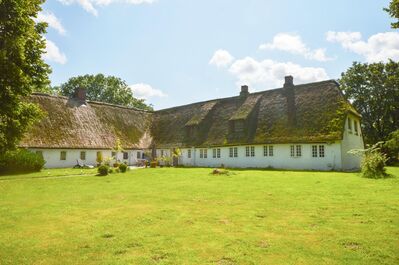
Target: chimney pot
<point x="80" y="94"/>
<point x="244" y="90"/>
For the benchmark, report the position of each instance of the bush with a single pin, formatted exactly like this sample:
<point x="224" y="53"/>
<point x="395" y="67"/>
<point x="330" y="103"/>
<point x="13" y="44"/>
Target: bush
<point x="153" y="164"/>
<point x="122" y="167"/>
<point x="21" y="161"/>
<point x="217" y="171"/>
<point x="103" y="170"/>
<point x="373" y="161"/>
<point x="116" y="164"/>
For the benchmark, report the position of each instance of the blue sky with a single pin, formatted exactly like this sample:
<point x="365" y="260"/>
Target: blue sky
<point x="174" y="52"/>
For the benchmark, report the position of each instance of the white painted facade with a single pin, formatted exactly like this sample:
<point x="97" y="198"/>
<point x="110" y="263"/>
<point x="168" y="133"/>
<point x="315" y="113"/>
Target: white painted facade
<point x="53" y="157"/>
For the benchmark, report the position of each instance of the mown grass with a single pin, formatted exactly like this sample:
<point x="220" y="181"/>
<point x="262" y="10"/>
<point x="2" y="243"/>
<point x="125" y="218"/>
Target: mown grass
<point x="188" y="216"/>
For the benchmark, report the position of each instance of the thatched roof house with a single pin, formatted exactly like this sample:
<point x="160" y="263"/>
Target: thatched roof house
<point x="314" y="114"/>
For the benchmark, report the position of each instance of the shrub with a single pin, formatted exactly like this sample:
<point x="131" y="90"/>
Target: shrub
<point x="21" y="161"/>
<point x="373" y="161"/>
<point x="116" y="164"/>
<point x="103" y="170"/>
<point x="122" y="167"/>
<point x="217" y="171"/>
<point x="153" y="164"/>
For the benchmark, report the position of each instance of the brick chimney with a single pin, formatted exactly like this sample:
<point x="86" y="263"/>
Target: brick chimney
<point x="244" y="91"/>
<point x="80" y="94"/>
<point x="289" y="93"/>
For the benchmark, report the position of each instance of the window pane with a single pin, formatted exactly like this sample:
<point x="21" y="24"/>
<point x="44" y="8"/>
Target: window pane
<point x="231" y="151"/>
<point x="252" y="150"/>
<point x="214" y="153"/>
<point x="235" y="152"/>
<point x="138" y="155"/>
<point x="189" y="153"/>
<point x="82" y="155"/>
<point x="321" y="150"/>
<point x="270" y="150"/>
<point x="205" y="153"/>
<point x="218" y="155"/>
<point x="125" y="155"/>
<point x="246" y="150"/>
<point x="265" y="150"/>
<point x="298" y="150"/>
<point x="314" y="150"/>
<point x="201" y="153"/>
<point x="292" y="150"/>
<point x="63" y="155"/>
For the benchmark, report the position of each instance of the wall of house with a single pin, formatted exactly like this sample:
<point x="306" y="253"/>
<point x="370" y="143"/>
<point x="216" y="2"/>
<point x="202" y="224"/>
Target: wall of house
<point x="281" y="158"/>
<point x="351" y="140"/>
<point x="52" y="157"/>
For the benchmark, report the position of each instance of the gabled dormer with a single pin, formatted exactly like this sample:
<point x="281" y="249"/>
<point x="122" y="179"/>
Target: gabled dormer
<point x="198" y="123"/>
<point x="240" y="121"/>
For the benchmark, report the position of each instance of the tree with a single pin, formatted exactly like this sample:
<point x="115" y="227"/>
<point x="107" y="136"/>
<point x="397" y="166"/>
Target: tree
<point x="22" y="69"/>
<point x="374" y="91"/>
<point x="392" y="146"/>
<point x="102" y="88"/>
<point x="393" y="11"/>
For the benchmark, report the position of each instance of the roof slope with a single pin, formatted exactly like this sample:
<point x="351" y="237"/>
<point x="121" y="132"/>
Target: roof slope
<point x="320" y="111"/>
<point x="68" y="124"/>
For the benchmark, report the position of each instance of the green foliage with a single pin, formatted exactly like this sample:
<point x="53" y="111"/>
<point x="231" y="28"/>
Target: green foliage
<point x="373" y="161"/>
<point x="103" y="170"/>
<point x="99" y="158"/>
<point x="393" y="11"/>
<point x="102" y="88"/>
<point x="22" y="69"/>
<point x="374" y="91"/>
<point x="392" y="146"/>
<point x="122" y="167"/>
<point x="20" y="161"/>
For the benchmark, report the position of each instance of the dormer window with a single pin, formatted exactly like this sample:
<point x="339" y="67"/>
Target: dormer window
<point x="237" y="126"/>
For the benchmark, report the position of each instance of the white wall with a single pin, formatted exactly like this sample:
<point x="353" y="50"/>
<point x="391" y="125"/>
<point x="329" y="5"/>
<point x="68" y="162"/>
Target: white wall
<point x="280" y="159"/>
<point x="52" y="157"/>
<point x="351" y="141"/>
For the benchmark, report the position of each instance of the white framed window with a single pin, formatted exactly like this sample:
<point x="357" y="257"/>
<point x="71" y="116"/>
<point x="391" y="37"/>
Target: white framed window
<point x="246" y="150"/>
<point x="125" y="155"/>
<point x="231" y="152"/>
<point x="214" y="152"/>
<point x="205" y="153"/>
<point x="321" y="150"/>
<point x="296" y="150"/>
<point x="201" y="153"/>
<point x="265" y="150"/>
<point x="356" y="128"/>
<point x="189" y="153"/>
<point x="314" y="150"/>
<point x="271" y="150"/>
<point x="63" y="155"/>
<point x="82" y="155"/>
<point x="235" y="151"/>
<point x="162" y="152"/>
<point x="218" y="153"/>
<point x="252" y="151"/>
<point x="138" y="155"/>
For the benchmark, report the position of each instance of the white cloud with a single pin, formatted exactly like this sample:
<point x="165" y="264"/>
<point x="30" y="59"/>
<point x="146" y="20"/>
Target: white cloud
<point x="269" y="73"/>
<point x="379" y="47"/>
<point x="52" y="20"/>
<point x="221" y="58"/>
<point x="90" y="5"/>
<point x="293" y="43"/>
<point x="146" y="91"/>
<point x="53" y="53"/>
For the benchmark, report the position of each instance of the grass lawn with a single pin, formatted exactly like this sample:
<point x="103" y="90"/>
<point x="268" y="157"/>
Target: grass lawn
<point x="187" y="216"/>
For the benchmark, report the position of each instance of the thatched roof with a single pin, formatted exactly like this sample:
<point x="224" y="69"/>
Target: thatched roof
<point x="320" y="112"/>
<point x="70" y="124"/>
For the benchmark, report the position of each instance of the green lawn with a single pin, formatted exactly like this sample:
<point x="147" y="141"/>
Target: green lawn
<point x="188" y="216"/>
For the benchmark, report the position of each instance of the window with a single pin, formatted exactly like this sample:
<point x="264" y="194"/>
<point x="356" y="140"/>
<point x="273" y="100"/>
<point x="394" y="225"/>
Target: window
<point x="355" y="125"/>
<point x="214" y="153"/>
<point x="201" y="153"/>
<point x="296" y="150"/>
<point x="189" y="153"/>
<point x="349" y="124"/>
<point x="231" y="152"/>
<point x="125" y="155"/>
<point x="82" y="155"/>
<point x="271" y="151"/>
<point x="63" y="155"/>
<point x="205" y="153"/>
<point x="138" y="155"/>
<point x="299" y="150"/>
<point x="161" y="152"/>
<point x="218" y="153"/>
<point x="99" y="157"/>
<point x="252" y="151"/>
<point x="314" y="150"/>
<point x="246" y="150"/>
<point x="113" y="154"/>
<point x="265" y="150"/>
<point x="235" y="152"/>
<point x="321" y="150"/>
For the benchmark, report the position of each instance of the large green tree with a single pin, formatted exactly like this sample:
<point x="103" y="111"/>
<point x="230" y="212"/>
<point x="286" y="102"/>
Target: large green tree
<point x="374" y="91"/>
<point x="393" y="11"/>
<point x="22" y="69"/>
<point x="108" y="89"/>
